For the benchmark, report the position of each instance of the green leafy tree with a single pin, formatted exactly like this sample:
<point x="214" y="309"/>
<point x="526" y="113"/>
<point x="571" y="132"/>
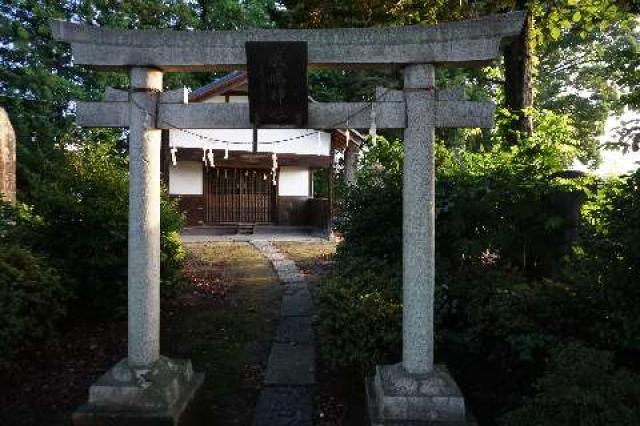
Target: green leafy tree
<point x="75" y="180"/>
<point x="581" y="386"/>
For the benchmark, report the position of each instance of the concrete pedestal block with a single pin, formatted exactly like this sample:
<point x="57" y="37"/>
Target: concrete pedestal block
<point x="396" y="397"/>
<point x="165" y="393"/>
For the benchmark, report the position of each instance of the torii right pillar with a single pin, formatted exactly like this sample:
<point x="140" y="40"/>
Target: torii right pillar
<point x="416" y="391"/>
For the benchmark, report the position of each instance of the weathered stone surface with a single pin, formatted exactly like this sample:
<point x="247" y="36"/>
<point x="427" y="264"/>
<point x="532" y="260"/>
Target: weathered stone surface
<point x="284" y="406"/>
<point x="455" y="93"/>
<point x="402" y="397"/>
<point x="284" y="264"/>
<point x="415" y="392"/>
<point x="294" y="287"/>
<point x="458" y="114"/>
<point x="292" y="359"/>
<point x="291" y="365"/>
<point x="7" y="159"/>
<point x="297" y="303"/>
<point x="290" y="277"/>
<point x="389" y="115"/>
<point x="236" y="116"/>
<point x="145" y="78"/>
<point x="116" y="95"/>
<point x="163" y="393"/>
<point x="276" y="256"/>
<point x="419" y="77"/>
<point x="144" y="222"/>
<point x="176" y="96"/>
<point x="295" y="330"/>
<point x="418" y="197"/>
<point x="114" y="114"/>
<point x="472" y="42"/>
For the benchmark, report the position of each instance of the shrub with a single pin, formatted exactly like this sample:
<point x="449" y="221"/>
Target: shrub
<point x="172" y="252"/>
<point x="32" y="299"/>
<point x="360" y="307"/>
<point x="503" y="302"/>
<point x="605" y="264"/>
<point x="581" y="386"/>
<point x="361" y="316"/>
<point x="495" y="327"/>
<point x="82" y="227"/>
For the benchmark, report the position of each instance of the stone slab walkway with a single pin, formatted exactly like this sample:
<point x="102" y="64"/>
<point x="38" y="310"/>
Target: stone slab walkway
<point x="205" y="234"/>
<point x="286" y="398"/>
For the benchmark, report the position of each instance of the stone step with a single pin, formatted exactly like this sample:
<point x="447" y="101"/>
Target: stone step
<point x="291" y="365"/>
<point x="295" y="330"/>
<point x="245" y="228"/>
<point x="298" y="303"/>
<point x="284" y="406"/>
<point x="290" y="277"/>
<point x="286" y="398"/>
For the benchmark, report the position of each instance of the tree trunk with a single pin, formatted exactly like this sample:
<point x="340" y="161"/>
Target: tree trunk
<point x="518" y="86"/>
<point x="351" y="154"/>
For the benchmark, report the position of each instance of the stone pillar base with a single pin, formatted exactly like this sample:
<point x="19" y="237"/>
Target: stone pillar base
<point x="162" y="394"/>
<point x="395" y="397"/>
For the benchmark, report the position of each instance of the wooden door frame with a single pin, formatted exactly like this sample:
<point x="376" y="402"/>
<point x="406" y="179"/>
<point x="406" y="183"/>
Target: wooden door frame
<point x="206" y="195"/>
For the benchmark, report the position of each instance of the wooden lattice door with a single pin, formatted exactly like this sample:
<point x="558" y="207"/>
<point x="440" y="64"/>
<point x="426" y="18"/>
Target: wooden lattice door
<point x="237" y="195"/>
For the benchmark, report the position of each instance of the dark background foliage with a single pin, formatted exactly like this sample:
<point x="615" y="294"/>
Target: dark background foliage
<point x="517" y="277"/>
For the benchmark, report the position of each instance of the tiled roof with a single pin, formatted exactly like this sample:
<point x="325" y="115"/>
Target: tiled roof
<point x="219" y="86"/>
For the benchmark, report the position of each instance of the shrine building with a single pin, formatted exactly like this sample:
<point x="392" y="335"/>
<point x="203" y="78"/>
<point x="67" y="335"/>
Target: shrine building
<point x="219" y="181"/>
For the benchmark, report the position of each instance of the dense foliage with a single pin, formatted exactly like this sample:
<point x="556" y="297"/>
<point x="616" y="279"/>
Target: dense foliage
<point x="64" y="248"/>
<point x="81" y="225"/>
<point x="32" y="299"/>
<point x="606" y="264"/>
<point x="69" y="251"/>
<point x="584" y="386"/>
<point x="520" y="272"/>
<point x="512" y="281"/>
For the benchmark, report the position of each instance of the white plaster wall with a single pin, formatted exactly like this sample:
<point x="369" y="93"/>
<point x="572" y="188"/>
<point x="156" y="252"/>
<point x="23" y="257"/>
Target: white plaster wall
<point x="238" y="99"/>
<point x="294" y="181"/>
<point x="185" y="178"/>
<point x="215" y="100"/>
<point x="316" y="144"/>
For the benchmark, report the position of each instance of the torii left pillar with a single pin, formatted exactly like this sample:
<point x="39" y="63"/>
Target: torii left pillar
<point x="144" y="388"/>
<point x="144" y="219"/>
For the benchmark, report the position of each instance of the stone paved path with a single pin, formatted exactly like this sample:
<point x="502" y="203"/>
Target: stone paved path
<point x="286" y="398"/>
<point x="209" y="234"/>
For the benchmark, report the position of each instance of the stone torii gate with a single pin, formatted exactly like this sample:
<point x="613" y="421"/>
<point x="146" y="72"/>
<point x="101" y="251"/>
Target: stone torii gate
<point x="147" y="386"/>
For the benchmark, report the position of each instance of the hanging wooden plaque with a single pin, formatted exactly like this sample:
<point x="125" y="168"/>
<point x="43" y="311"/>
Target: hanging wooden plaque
<point x="277" y="82"/>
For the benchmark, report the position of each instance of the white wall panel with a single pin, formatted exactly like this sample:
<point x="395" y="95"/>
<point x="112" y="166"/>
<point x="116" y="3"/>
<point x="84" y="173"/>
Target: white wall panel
<point x="185" y="178"/>
<point x="294" y="181"/>
<point x="316" y="144"/>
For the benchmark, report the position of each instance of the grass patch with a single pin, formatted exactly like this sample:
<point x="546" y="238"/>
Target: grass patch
<point x="222" y="318"/>
<point x="310" y="257"/>
<point x="227" y="333"/>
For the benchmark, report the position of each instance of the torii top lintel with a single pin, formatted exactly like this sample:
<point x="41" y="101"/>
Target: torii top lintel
<point x="472" y="42"/>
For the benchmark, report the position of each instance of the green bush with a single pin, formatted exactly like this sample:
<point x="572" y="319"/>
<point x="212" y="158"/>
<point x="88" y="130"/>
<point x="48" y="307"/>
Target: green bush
<point x="605" y="264"/>
<point x="485" y="221"/>
<point x="361" y="316"/>
<point x="82" y="227"/>
<point x="495" y="327"/>
<point x="360" y="306"/>
<point x="581" y="386"/>
<point x="509" y="288"/>
<point x="32" y="299"/>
